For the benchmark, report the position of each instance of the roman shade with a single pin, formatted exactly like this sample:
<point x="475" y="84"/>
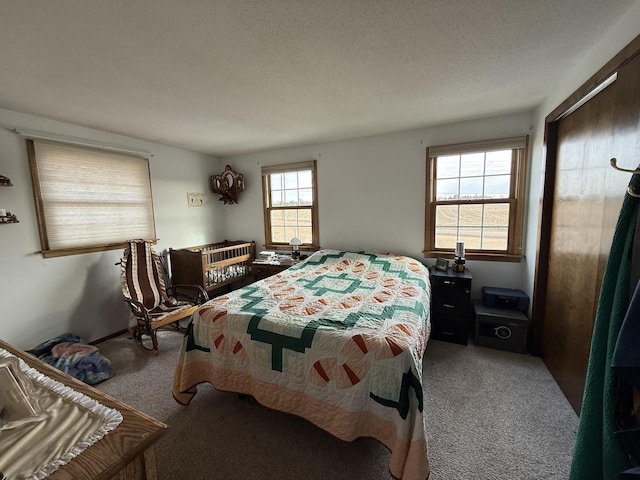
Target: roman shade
<point x="88" y="198"/>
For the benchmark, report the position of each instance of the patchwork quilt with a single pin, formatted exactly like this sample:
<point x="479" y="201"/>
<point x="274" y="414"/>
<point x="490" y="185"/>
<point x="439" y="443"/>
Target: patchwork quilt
<point x="337" y="339"/>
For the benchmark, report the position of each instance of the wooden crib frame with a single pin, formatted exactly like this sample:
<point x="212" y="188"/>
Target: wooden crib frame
<point x="213" y="265"/>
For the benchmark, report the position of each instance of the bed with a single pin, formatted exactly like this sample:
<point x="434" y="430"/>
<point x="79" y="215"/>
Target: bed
<point x="337" y="339"/>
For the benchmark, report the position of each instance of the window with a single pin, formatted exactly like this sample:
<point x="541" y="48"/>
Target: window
<point x="87" y="199"/>
<point x="290" y="205"/>
<point x="475" y="194"/>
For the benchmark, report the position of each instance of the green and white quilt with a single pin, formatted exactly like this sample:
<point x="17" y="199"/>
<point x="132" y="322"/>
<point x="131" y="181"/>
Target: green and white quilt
<point x="337" y="339"/>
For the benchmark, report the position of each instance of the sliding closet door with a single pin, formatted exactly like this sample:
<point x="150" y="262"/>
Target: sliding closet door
<point x="587" y="197"/>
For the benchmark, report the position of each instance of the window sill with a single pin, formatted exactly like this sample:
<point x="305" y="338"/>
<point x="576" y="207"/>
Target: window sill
<point x="488" y="257"/>
<point x="286" y="246"/>
<point x="63" y="252"/>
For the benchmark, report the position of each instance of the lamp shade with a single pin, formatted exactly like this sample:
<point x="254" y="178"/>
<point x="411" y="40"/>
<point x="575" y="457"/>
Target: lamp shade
<point x="295" y="241"/>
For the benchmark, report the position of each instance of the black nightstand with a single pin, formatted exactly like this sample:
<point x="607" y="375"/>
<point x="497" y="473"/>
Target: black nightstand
<point x="450" y="305"/>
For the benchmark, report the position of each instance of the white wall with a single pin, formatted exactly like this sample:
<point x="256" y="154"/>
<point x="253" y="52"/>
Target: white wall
<point x="371" y="191"/>
<point x="627" y="28"/>
<point x="43" y="298"/>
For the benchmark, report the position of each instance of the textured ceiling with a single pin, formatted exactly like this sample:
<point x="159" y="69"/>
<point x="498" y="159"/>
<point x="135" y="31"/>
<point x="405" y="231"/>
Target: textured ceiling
<point x="227" y="77"/>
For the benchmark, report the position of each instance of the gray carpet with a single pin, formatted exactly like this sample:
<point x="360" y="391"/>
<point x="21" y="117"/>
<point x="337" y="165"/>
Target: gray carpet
<point x="490" y="415"/>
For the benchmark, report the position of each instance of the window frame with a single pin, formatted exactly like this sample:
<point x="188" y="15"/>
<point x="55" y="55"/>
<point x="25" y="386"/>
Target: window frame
<point x="48" y="252"/>
<point x="267" y="208"/>
<point x="516" y="200"/>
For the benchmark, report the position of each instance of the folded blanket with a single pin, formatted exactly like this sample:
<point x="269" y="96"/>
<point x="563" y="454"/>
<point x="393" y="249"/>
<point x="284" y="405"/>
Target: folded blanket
<point x="45" y="347"/>
<point x="79" y="360"/>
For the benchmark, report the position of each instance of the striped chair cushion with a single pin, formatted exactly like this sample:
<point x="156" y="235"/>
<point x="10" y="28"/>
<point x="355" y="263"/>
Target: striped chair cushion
<point x="142" y="280"/>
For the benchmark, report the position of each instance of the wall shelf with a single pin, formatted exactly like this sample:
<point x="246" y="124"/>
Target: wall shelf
<point x="9" y="217"/>
<point x="5" y="182"/>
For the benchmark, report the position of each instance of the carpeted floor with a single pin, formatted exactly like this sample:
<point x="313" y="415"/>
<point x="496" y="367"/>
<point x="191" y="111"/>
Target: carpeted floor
<point x="491" y="415"/>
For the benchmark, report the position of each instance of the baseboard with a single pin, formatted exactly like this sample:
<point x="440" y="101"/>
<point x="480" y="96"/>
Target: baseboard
<point x="109" y="337"/>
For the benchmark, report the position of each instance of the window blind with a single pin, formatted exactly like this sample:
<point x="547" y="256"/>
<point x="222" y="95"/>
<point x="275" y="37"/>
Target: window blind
<point x="89" y="197"/>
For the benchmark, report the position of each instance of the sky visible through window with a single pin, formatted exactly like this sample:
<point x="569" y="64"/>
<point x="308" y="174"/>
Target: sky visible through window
<point x="291" y="189"/>
<point x="474" y="176"/>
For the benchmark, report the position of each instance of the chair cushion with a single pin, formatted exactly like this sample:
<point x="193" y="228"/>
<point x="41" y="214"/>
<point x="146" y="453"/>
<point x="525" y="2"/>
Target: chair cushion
<point x="142" y="276"/>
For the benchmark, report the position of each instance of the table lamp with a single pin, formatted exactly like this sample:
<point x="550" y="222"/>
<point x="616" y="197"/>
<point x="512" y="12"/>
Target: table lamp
<point x="295" y="242"/>
<point x="458" y="259"/>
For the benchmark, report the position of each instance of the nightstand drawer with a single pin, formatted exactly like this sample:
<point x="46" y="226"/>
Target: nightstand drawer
<point x="263" y="270"/>
<point x="447" y="282"/>
<point x="455" y="301"/>
<point x="451" y="330"/>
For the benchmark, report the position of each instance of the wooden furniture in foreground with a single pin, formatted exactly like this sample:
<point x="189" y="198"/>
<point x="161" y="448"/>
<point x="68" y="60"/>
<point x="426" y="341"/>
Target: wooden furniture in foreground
<point x="450" y="305"/>
<point x="214" y="265"/>
<point x="263" y="270"/>
<point x="126" y="453"/>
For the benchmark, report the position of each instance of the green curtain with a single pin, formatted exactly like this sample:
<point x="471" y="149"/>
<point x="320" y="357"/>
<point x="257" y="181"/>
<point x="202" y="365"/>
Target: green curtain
<point x="597" y="453"/>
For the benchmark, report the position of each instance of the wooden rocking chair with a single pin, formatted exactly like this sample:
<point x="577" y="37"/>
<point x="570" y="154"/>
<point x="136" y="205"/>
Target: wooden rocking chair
<point x="152" y="304"/>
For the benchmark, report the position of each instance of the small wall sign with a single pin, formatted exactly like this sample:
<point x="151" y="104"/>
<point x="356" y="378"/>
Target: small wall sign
<point x="195" y="199"/>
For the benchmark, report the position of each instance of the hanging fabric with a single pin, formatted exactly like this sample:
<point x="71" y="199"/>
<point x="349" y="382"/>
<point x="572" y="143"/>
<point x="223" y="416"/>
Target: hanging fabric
<point x="626" y="365"/>
<point x="598" y="454"/>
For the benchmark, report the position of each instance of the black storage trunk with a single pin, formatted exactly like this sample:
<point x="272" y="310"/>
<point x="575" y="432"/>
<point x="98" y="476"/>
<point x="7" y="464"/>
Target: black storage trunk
<point x="500" y="328"/>
<point x="505" y="298"/>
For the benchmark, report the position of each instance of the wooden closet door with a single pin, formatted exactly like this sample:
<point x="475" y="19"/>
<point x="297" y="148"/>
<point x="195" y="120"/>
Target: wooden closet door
<point x="588" y="194"/>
